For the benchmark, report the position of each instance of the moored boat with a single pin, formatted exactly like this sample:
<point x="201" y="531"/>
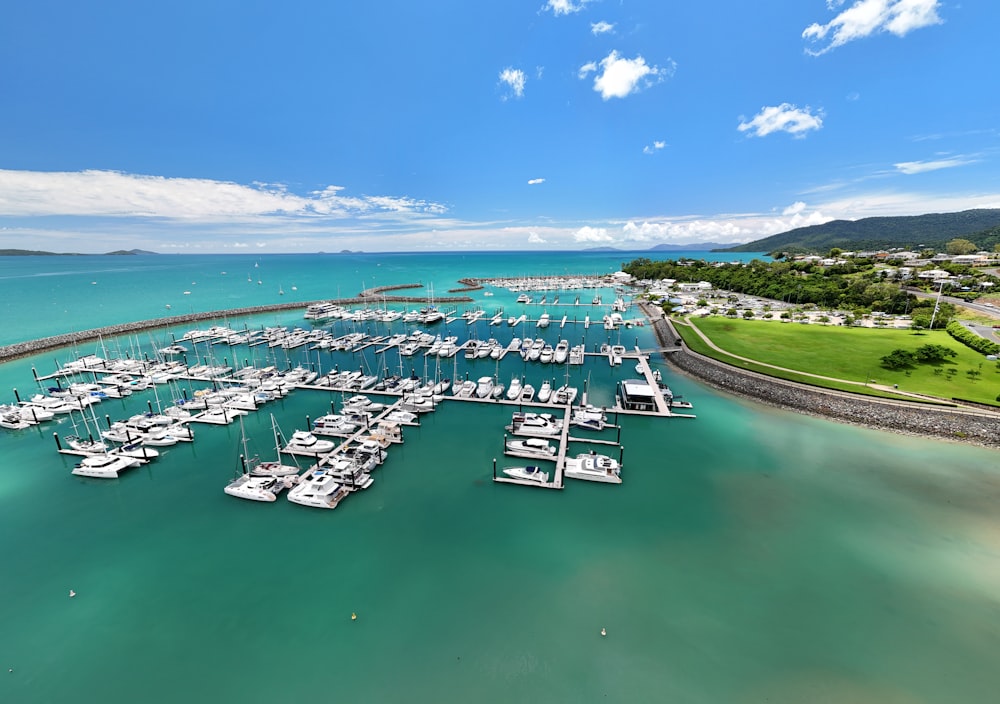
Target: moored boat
<point x="594" y="468"/>
<point x="531" y="474"/>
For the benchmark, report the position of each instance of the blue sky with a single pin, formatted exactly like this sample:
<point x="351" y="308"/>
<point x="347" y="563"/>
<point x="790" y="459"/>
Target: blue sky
<point x="499" y="124"/>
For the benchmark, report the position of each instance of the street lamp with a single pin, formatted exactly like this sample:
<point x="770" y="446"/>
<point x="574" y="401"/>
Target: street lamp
<point x="937" y="303"/>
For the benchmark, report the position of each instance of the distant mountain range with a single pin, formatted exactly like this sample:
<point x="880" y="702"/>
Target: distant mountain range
<point x="33" y="253"/>
<point x="694" y="247"/>
<point x="931" y="231"/>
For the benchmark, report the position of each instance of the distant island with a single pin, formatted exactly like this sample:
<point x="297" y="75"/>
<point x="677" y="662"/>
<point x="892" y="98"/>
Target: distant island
<point x="912" y="232"/>
<point x="693" y="247"/>
<point x="35" y="253"/>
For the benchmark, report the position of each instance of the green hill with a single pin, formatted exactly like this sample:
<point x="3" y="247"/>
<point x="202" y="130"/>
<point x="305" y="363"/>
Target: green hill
<point x="930" y="231"/>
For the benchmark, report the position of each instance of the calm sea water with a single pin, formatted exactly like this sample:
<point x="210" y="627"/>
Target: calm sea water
<point x="749" y="556"/>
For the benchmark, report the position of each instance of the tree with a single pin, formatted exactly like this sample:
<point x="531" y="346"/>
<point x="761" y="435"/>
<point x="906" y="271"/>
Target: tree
<point x="748" y="314"/>
<point x="931" y="354"/>
<point x="898" y="359"/>
<point x="960" y="246"/>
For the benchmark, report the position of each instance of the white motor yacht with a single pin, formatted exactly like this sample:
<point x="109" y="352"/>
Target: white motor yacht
<point x="484" y="388"/>
<point x="589" y="417"/>
<point x="561" y="352"/>
<point x="532" y="474"/>
<point x="305" y="443"/>
<point x="334" y="424"/>
<point x="417" y="404"/>
<point x="531" y="447"/>
<point x="515" y="388"/>
<point x="543" y="320"/>
<point x="527" y="393"/>
<point x="319" y="490"/>
<point x="545" y="392"/>
<point x="594" y="467"/>
<point x="362" y="404"/>
<point x="401" y="416"/>
<point x="535" y="424"/>
<point x="349" y="473"/>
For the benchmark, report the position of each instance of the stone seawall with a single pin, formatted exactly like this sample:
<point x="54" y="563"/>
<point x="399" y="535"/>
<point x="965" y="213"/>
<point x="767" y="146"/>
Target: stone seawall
<point x="22" y="349"/>
<point x="896" y="416"/>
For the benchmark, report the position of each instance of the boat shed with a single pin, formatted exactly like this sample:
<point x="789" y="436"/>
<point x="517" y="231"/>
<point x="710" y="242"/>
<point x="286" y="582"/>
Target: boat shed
<point x="636" y="396"/>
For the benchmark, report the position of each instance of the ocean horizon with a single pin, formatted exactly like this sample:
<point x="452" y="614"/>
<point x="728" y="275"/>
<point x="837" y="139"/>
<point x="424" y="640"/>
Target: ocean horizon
<point x="750" y="554"/>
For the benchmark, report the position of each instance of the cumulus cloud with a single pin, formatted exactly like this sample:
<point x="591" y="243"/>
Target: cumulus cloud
<point x="564" y="7"/>
<point x="535" y="181"/>
<point x="619" y="77"/>
<point x="654" y="147"/>
<point x="919" y="167"/>
<point x="592" y="234"/>
<point x="514" y="79"/>
<point x="116" y="194"/>
<point x="867" y="17"/>
<point x="535" y="238"/>
<point x="601" y="27"/>
<point x="782" y="118"/>
<point x="721" y="229"/>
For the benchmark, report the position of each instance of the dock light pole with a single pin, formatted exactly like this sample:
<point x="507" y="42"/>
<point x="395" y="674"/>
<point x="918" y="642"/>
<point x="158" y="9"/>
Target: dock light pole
<point x="494" y="467"/>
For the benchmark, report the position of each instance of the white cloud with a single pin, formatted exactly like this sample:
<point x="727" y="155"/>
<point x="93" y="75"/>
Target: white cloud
<point x="654" y="147"/>
<point x="514" y="79"/>
<point x="601" y="27"/>
<point x="592" y="234"/>
<point x="620" y="77"/>
<point x="721" y="229"/>
<point x="782" y="118"/>
<point x="564" y="7"/>
<point x="116" y="194"/>
<point x="535" y="238"/>
<point x="919" y="167"/>
<point x="867" y="17"/>
<point x="535" y="181"/>
<point x="794" y="209"/>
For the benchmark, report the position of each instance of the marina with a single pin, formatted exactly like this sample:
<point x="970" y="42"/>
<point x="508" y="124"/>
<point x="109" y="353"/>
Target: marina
<point x="679" y="544"/>
<point x="347" y="445"/>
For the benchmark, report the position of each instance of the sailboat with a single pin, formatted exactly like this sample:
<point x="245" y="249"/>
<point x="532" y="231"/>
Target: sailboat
<point x="274" y="468"/>
<point x="252" y="487"/>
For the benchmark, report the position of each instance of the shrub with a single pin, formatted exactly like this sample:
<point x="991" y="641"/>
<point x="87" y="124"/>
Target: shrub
<point x="971" y="339"/>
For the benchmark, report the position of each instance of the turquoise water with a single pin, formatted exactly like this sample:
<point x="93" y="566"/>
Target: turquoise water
<point x="750" y="555"/>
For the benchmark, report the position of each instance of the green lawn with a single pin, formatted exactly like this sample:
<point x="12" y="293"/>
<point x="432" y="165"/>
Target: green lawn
<point x="854" y="354"/>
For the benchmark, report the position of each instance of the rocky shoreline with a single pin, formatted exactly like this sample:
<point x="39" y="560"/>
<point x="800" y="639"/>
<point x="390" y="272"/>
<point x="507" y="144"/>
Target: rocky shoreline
<point x="979" y="428"/>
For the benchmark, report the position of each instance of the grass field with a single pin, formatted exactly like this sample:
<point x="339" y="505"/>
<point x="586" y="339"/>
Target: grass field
<point x="854" y="354"/>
